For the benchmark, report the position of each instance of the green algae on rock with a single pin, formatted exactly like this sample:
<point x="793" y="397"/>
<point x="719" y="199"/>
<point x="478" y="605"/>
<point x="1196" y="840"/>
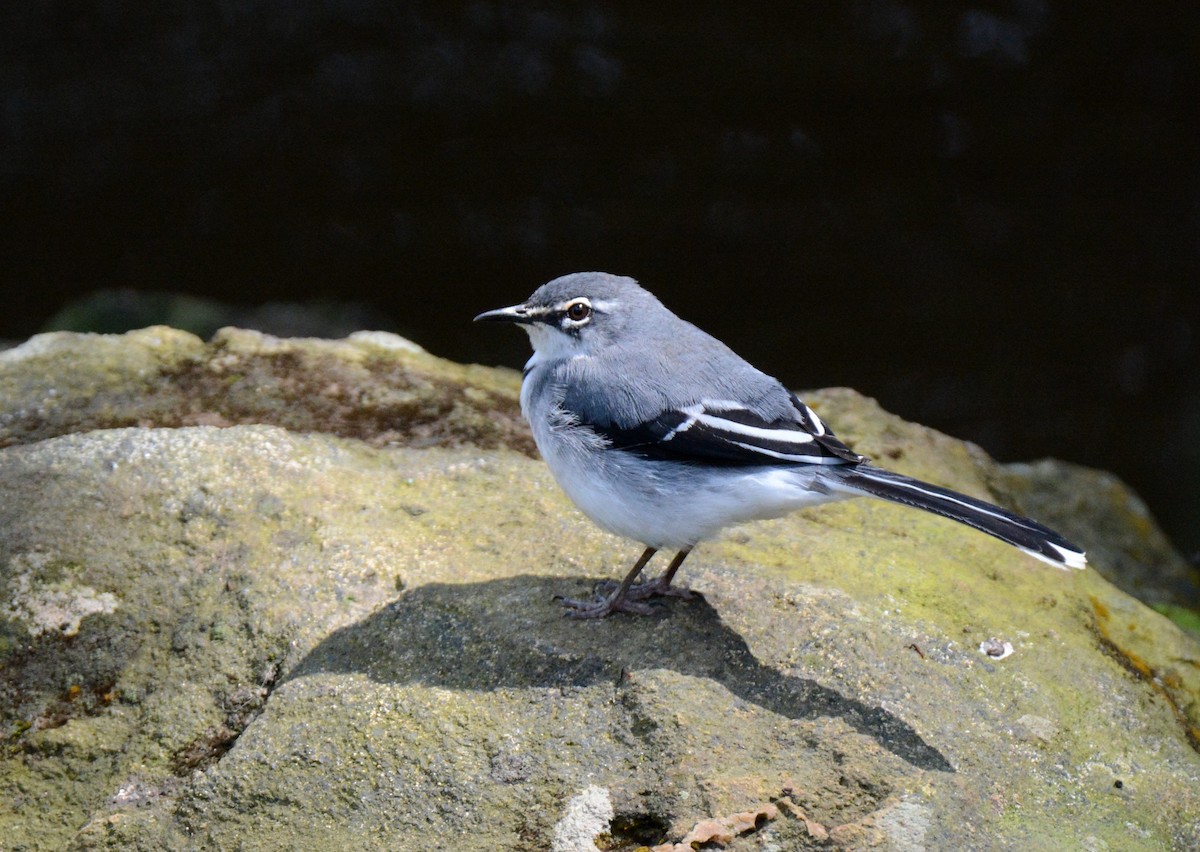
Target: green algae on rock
<point x="273" y="637"/>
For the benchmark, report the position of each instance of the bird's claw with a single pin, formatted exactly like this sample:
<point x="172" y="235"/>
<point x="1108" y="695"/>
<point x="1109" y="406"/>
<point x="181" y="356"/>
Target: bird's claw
<point x="603" y="607"/>
<point x="652" y="589"/>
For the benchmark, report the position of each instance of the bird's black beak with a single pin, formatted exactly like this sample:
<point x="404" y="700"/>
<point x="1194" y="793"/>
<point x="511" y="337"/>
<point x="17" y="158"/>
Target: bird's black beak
<point x="517" y="313"/>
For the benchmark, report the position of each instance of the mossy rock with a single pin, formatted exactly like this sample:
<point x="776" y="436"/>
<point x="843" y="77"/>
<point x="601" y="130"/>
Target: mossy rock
<point x="306" y="636"/>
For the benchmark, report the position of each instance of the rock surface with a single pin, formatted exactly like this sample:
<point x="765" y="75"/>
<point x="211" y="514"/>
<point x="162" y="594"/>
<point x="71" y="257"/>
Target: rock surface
<point x="249" y="637"/>
<point x="374" y="386"/>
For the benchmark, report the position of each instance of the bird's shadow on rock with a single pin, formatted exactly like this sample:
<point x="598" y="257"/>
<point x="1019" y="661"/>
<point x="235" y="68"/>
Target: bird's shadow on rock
<point x="509" y="633"/>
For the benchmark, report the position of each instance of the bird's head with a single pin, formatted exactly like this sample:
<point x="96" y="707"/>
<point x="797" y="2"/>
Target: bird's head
<point x="578" y="314"/>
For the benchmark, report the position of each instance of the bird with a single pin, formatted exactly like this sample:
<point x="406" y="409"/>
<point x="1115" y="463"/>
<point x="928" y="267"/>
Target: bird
<point x="662" y="434"/>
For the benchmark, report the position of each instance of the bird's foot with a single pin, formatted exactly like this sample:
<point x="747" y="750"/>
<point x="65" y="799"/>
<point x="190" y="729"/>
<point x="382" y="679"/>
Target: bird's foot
<point x="633" y="600"/>
<point x="604" y="606"/>
<point x="652" y="589"/>
<point x="657" y="589"/>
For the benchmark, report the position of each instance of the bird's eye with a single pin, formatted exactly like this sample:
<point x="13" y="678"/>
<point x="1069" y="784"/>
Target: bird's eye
<point x="578" y="311"/>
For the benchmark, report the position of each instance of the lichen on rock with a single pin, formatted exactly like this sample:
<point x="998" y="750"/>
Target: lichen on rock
<point x="43" y="606"/>
<point x="342" y="626"/>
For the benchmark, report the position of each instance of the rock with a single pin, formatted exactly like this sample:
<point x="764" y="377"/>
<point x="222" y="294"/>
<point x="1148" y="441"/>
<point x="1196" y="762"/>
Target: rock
<point x="342" y="633"/>
<point x="1034" y="729"/>
<point x="587" y="816"/>
<point x="1133" y="553"/>
<point x="373" y="385"/>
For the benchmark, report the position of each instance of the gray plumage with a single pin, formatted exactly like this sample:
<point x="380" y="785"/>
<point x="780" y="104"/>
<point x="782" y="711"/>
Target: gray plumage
<point x="661" y="433"/>
<point x="623" y="385"/>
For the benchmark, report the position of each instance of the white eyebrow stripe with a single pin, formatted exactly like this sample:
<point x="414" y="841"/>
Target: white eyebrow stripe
<point x="786" y="436"/>
<point x="606" y="305"/>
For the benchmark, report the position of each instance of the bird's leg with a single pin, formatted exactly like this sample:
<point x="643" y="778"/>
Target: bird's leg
<point x="618" y="601"/>
<point x="662" y="586"/>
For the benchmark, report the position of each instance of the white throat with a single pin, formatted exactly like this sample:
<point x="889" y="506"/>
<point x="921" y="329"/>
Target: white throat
<point x="550" y="344"/>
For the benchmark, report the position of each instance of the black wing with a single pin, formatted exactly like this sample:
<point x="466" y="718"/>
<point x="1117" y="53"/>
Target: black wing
<point x="725" y="432"/>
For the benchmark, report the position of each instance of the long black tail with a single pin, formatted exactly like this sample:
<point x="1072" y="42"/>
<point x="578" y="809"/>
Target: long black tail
<point x="1030" y="536"/>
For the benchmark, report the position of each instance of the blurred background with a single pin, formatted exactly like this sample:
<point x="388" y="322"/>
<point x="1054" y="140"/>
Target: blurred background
<point x="984" y="214"/>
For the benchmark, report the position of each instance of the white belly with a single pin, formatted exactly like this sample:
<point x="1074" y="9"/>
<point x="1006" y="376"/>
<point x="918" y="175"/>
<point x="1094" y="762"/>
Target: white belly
<point x="661" y="504"/>
<point x="674" y="505"/>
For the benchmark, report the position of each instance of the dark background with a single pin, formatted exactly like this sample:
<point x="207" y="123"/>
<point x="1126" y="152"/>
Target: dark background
<point x="986" y="215"/>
